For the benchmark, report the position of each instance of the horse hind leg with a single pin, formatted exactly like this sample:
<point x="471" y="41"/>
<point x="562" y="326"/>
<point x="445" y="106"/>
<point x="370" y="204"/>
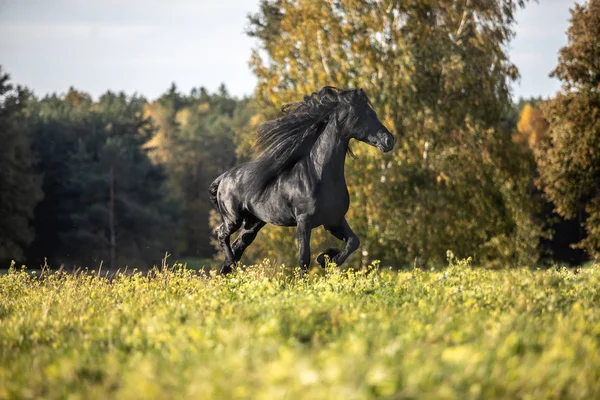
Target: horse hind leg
<point x="251" y="227"/>
<point x="224" y="232"/>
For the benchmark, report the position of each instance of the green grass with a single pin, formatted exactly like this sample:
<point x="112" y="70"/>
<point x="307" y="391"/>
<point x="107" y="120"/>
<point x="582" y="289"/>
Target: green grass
<point x="199" y="264"/>
<point x="457" y="333"/>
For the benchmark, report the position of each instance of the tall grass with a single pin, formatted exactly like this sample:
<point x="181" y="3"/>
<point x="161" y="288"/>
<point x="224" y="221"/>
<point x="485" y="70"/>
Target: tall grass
<point x="262" y="333"/>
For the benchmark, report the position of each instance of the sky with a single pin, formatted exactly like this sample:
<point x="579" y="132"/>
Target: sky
<point x="142" y="46"/>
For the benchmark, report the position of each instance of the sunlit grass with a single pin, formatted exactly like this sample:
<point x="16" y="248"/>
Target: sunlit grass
<point x="261" y="333"/>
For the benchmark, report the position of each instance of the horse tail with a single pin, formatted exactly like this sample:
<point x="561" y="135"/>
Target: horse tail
<point x="212" y="191"/>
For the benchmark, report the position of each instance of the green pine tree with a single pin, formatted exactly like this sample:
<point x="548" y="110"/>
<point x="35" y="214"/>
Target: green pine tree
<point x="106" y="200"/>
<point x="20" y="185"/>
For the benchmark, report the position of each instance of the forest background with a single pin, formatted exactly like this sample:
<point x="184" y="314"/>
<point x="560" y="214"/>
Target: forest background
<point x="122" y="180"/>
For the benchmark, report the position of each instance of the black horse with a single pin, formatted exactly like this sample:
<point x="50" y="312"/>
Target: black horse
<point x="298" y="180"/>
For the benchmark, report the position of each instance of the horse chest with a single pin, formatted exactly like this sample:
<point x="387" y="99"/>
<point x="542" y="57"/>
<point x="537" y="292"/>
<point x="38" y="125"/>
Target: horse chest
<point x="332" y="205"/>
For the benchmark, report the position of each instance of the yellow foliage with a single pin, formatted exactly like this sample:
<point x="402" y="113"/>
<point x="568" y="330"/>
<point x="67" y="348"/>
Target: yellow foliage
<point x="158" y="143"/>
<point x="531" y="126"/>
<point x="182" y="117"/>
<point x="203" y="108"/>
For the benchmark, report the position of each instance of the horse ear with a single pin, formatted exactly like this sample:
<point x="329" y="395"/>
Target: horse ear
<point x="363" y="95"/>
<point x="327" y="92"/>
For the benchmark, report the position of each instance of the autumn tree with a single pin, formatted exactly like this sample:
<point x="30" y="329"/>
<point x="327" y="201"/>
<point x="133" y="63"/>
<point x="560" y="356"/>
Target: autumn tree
<point x="20" y="184"/>
<point x="531" y="127"/>
<point x="438" y="74"/>
<point x="569" y="157"/>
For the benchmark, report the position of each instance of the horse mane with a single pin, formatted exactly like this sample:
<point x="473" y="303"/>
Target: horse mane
<point x="284" y="141"/>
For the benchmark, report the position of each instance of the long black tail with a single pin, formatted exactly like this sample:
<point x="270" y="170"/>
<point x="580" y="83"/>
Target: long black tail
<point x="212" y="191"/>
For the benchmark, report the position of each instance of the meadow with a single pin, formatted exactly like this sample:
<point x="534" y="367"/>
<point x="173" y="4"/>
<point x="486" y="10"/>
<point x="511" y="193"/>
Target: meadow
<point x="263" y="333"/>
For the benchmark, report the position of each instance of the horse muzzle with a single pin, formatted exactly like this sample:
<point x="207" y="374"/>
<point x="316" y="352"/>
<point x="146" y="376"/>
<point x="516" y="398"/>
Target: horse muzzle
<point x="386" y="142"/>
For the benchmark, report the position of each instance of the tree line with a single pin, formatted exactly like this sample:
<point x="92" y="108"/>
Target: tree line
<point x="119" y="180"/>
<point x="122" y="179"/>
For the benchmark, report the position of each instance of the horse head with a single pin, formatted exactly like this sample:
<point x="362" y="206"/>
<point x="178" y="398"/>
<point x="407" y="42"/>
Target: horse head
<point x="360" y="121"/>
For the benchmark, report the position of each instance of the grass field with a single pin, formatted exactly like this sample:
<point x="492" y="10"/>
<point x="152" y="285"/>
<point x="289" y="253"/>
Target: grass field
<point x="456" y="333"/>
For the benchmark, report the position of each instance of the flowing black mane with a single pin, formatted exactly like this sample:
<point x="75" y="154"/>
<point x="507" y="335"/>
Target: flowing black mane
<point x="286" y="140"/>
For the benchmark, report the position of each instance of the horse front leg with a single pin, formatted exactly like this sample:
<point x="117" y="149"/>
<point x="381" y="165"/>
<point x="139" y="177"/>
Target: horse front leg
<point x="343" y="232"/>
<point x="304" y="232"/>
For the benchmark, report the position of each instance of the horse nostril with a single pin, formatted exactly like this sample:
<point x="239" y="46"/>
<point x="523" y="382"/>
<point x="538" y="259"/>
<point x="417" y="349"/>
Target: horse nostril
<point x="389" y="142"/>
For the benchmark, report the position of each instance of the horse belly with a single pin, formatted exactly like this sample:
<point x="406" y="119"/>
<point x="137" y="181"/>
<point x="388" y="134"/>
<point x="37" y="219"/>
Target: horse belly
<point x="273" y="211"/>
<point x="280" y="220"/>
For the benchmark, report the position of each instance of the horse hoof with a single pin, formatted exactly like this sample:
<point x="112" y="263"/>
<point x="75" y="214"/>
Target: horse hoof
<point x="225" y="270"/>
<point x="330" y="252"/>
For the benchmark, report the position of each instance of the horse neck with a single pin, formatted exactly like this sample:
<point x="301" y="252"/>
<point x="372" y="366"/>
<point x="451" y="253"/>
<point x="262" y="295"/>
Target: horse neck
<point x="329" y="153"/>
